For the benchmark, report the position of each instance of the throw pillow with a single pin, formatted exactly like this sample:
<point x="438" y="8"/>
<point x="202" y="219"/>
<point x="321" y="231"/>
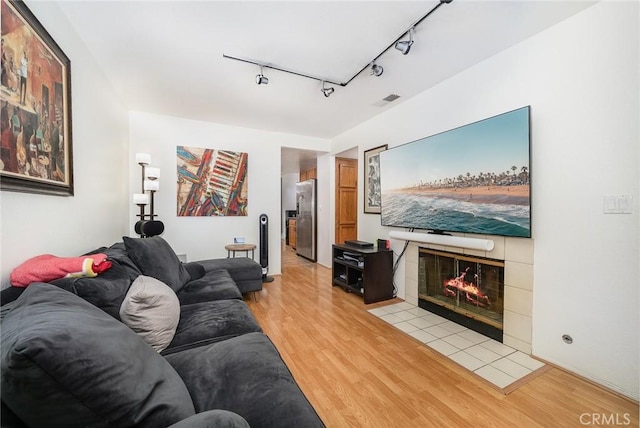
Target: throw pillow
<point x="152" y="310"/>
<point x="65" y="362"/>
<point x="155" y="257"/>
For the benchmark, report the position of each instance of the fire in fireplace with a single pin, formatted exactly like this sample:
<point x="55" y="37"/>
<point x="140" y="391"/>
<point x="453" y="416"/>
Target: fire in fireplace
<point x="467" y="290"/>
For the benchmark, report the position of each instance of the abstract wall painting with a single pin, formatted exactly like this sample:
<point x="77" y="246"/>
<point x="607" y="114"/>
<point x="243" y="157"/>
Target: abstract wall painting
<point x="211" y="182"/>
<point x="35" y="98"/>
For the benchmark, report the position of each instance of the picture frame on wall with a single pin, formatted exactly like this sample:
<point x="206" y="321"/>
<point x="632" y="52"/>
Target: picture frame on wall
<point x="36" y="155"/>
<point x="372" y="194"/>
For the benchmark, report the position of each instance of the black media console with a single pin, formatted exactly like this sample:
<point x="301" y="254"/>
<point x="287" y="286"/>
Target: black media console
<point x="363" y="271"/>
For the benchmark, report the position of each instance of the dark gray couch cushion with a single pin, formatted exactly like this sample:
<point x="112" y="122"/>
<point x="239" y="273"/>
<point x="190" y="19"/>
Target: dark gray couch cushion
<point x="208" y="322"/>
<point x="196" y="270"/>
<point x="106" y="291"/>
<point x="155" y="257"/>
<point x="246" y="273"/>
<point x="214" y="285"/>
<point x="67" y="363"/>
<point x="247" y="376"/>
<point x="213" y="419"/>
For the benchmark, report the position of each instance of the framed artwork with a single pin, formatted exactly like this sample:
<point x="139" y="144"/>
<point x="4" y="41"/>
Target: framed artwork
<point x="372" y="194"/>
<point x="36" y="152"/>
<point x="211" y="182"/>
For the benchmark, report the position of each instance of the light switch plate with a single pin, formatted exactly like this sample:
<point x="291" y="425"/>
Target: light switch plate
<point x="618" y="204"/>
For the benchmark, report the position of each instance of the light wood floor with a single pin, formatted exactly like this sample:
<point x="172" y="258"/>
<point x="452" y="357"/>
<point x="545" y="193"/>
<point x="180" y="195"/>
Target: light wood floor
<point x="357" y="371"/>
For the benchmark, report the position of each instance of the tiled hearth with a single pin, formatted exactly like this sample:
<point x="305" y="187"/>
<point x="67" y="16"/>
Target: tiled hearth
<point x="501" y="365"/>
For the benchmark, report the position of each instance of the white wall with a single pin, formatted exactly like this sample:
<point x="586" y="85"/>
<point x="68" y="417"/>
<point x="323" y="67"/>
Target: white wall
<point x="205" y="237"/>
<point x="325" y="201"/>
<point x="581" y="79"/>
<point x="97" y="215"/>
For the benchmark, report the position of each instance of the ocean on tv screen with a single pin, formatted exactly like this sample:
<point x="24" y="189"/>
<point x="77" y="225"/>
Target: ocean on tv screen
<point x="462" y="211"/>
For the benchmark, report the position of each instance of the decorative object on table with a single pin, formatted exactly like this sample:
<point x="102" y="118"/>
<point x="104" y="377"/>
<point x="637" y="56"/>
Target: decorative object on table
<point x="372" y="180"/>
<point x="147" y="226"/>
<point x="211" y="182"/>
<point x="36" y="154"/>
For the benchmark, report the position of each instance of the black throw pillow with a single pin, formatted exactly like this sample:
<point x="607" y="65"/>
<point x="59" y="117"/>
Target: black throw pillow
<point x="155" y="257"/>
<point x="66" y="363"/>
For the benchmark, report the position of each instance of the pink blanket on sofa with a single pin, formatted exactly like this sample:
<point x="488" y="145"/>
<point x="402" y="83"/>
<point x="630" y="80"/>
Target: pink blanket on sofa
<point x="48" y="267"/>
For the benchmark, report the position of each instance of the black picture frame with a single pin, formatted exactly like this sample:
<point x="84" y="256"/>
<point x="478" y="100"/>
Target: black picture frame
<point x="37" y="149"/>
<point x="372" y="194"/>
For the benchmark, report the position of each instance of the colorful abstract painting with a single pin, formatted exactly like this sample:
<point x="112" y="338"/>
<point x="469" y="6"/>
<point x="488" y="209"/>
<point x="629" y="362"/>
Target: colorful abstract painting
<point x="35" y="98"/>
<point x="211" y="182"/>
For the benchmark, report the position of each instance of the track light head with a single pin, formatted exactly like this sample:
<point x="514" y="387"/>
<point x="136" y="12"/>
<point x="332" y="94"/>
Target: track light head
<point x="261" y="79"/>
<point x="404" y="46"/>
<point x="376" y="70"/>
<point x="326" y="91"/>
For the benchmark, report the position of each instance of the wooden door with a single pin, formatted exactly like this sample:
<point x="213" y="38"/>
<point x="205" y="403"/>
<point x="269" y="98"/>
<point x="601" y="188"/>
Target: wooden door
<point x="346" y="199"/>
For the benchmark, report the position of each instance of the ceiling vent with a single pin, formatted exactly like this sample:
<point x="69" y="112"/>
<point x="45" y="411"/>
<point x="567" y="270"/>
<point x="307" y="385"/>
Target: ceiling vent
<point x="386" y="100"/>
<point x="391" y="97"/>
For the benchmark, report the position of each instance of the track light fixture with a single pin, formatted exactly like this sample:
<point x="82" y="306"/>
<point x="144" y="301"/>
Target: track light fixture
<point x="326" y="91"/>
<point x="261" y="79"/>
<point x="404" y="46"/>
<point x="376" y="70"/>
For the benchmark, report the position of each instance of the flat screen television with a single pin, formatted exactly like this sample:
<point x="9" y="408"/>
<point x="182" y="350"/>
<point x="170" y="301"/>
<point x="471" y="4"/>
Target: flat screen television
<point x="471" y="179"/>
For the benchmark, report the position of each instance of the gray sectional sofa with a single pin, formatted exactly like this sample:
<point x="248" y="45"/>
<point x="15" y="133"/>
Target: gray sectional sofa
<point x="74" y="354"/>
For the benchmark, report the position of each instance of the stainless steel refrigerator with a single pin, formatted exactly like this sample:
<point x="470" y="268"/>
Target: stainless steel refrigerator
<point x="306" y="219"/>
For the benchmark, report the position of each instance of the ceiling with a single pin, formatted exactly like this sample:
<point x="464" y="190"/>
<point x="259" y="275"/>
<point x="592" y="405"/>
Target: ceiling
<point x="166" y="57"/>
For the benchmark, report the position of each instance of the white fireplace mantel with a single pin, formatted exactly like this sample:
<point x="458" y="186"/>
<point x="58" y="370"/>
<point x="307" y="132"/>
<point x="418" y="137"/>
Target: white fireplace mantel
<point x="447" y="240"/>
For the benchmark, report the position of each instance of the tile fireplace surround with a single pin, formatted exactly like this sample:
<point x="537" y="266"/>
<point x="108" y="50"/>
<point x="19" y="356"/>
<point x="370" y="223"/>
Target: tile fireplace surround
<point x="517" y="254"/>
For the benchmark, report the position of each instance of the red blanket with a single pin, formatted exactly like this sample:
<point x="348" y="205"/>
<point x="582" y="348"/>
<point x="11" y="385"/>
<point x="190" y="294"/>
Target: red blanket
<point x="48" y="267"/>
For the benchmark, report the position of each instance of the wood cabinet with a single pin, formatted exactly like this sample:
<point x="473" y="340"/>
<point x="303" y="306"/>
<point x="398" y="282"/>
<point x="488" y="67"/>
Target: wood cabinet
<point x="292" y="232"/>
<point x="308" y="174"/>
<point x="364" y="271"/>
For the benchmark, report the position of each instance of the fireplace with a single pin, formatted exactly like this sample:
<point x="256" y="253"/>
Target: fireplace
<point x="465" y="289"/>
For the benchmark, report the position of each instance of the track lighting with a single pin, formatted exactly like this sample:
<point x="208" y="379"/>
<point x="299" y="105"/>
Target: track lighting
<point x="326" y="91"/>
<point x="376" y="70"/>
<point x="404" y="46"/>
<point x="261" y="79"/>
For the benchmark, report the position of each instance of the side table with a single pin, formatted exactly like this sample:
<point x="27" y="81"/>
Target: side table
<point x="232" y="248"/>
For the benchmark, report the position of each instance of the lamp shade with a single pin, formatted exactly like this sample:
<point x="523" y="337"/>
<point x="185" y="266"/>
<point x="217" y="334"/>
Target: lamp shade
<point x="151" y="173"/>
<point x="140" y="198"/>
<point x="143" y="158"/>
<point x="152" y="185"/>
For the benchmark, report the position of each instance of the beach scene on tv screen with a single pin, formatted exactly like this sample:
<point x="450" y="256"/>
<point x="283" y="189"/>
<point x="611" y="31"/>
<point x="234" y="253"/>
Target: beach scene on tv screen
<point x="472" y="179"/>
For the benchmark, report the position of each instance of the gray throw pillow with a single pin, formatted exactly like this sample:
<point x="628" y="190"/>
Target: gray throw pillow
<point x="155" y="257"/>
<point x="152" y="310"/>
<point x="65" y="362"/>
